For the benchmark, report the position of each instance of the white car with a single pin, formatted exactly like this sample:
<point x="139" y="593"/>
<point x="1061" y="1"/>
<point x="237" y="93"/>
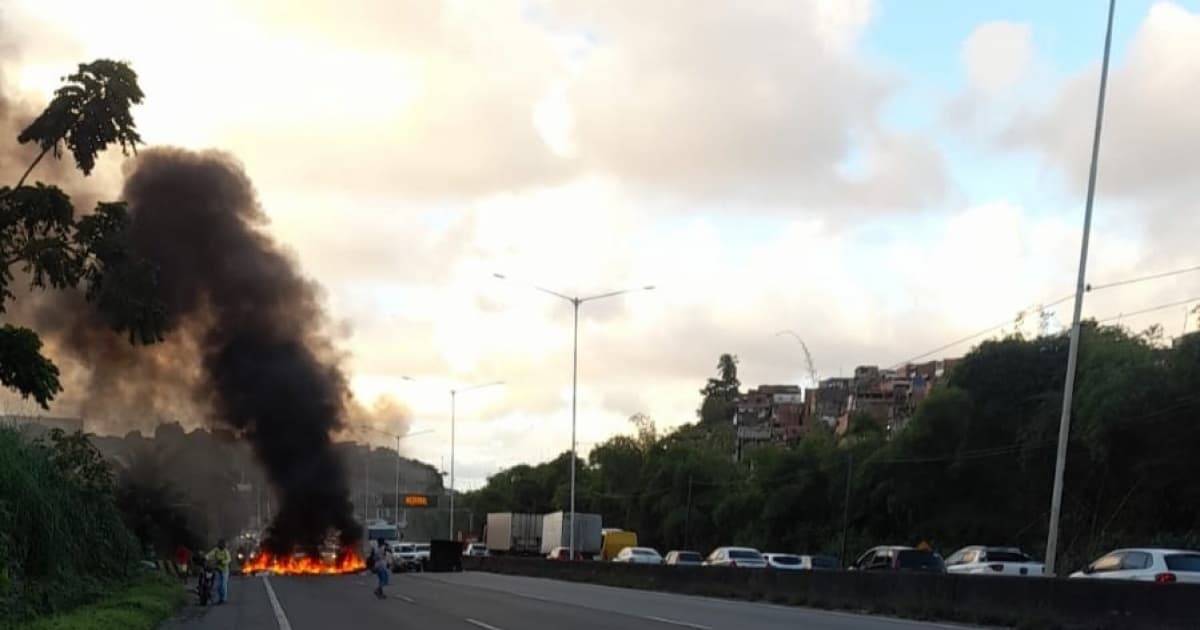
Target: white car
<point x="422" y="550"/>
<point x="799" y="562"/>
<point x="784" y="561"/>
<point x="1165" y="566"/>
<point x="741" y="557"/>
<point x="981" y="560"/>
<point x="478" y="550"/>
<point x="684" y="558"/>
<point x="404" y="556"/>
<point x="638" y="555"/>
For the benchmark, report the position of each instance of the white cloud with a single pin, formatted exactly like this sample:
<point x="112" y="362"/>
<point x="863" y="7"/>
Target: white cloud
<point x="408" y="150"/>
<point x="997" y="55"/>
<point x="1148" y="177"/>
<point x="757" y="102"/>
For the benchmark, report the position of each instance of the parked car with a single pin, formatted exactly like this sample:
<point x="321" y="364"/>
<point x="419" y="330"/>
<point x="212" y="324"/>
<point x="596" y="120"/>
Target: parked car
<point x="898" y="558"/>
<point x="819" y="562"/>
<point x="784" y="561"/>
<point x="742" y="557"/>
<point x="478" y="550"/>
<point x="1165" y="566"/>
<point x="422" y="550"/>
<point x="638" y="555"/>
<point x="684" y="558"/>
<point x="799" y="562"/>
<point x="562" y="553"/>
<point x="978" y="559"/>
<point x="404" y="557"/>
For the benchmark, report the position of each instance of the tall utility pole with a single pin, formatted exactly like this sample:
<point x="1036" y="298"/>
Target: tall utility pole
<point x="396" y="506"/>
<point x="366" y="483"/>
<point x="453" y="397"/>
<point x="576" y="302"/>
<point x="846" y="505"/>
<point x="687" y="518"/>
<point x="1064" y="426"/>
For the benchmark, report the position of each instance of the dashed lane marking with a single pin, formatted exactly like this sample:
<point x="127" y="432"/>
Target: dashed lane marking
<point x="476" y="622"/>
<point x="676" y="622"/>
<point x="280" y="618"/>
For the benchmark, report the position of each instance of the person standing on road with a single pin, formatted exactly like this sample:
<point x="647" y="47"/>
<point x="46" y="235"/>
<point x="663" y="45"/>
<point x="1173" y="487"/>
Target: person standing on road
<point x="220" y="559"/>
<point x="379" y="558"/>
<point x="183" y="559"/>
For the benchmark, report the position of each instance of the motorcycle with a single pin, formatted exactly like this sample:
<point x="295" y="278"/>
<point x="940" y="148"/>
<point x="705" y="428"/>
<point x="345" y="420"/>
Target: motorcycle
<point x="205" y="582"/>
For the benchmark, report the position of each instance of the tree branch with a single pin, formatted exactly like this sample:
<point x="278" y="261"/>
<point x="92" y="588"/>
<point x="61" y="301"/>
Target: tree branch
<point x="31" y="167"/>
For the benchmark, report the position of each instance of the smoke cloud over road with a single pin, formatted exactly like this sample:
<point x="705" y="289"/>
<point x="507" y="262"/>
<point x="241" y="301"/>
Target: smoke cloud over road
<point x="246" y="342"/>
<point x="261" y="357"/>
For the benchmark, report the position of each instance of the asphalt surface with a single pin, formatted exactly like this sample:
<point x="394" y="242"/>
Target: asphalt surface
<point x="475" y="601"/>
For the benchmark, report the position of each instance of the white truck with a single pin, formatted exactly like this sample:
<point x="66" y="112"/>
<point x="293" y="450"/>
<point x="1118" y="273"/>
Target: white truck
<point x="513" y="533"/>
<point x="983" y="560"/>
<point x="556" y="532"/>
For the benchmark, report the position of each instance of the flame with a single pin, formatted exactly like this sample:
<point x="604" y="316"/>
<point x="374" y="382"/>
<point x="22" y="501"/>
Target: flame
<point x="346" y="561"/>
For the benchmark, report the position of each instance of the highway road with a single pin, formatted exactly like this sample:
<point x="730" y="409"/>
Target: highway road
<point x="485" y="601"/>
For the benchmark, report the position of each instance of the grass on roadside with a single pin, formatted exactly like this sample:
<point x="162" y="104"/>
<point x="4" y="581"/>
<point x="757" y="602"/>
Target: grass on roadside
<point x="141" y="606"/>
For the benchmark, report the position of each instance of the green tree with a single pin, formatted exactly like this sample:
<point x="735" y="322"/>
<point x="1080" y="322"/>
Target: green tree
<point x="153" y="508"/>
<point x="720" y="394"/>
<point x="42" y="238"/>
<point x="80" y="461"/>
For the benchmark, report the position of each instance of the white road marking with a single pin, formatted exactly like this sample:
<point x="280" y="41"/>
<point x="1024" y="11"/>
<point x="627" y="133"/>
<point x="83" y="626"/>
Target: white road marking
<point x="676" y="622"/>
<point x="280" y="618"/>
<point x="485" y="626"/>
<point x="407" y="598"/>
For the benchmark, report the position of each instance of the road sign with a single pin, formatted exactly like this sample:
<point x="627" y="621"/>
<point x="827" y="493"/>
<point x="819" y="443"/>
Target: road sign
<point x="419" y="500"/>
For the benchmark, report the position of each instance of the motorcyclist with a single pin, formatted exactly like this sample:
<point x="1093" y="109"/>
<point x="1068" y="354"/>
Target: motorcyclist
<point x="220" y="559"/>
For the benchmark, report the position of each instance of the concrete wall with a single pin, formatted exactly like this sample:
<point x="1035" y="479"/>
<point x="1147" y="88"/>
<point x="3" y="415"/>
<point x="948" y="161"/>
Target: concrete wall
<point x="997" y="600"/>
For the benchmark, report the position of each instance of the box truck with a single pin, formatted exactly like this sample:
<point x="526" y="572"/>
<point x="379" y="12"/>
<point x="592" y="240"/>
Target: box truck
<point x="614" y="540"/>
<point x="513" y="533"/>
<point x="556" y="532"/>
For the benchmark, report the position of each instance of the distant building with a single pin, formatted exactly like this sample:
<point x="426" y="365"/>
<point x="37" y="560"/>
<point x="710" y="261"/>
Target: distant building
<point x="38" y="426"/>
<point x="771" y="413"/>
<point x="828" y="401"/>
<point x="891" y="396"/>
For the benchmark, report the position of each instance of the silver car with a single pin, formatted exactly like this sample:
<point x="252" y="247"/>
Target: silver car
<point x="684" y="558"/>
<point x="741" y="557"/>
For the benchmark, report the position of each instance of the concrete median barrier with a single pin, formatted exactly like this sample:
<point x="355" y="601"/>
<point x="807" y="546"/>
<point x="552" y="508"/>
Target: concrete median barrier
<point x="1023" y="602"/>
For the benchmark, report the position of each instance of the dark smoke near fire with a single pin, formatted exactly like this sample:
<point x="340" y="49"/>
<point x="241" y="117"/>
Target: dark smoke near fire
<point x="245" y="337"/>
<point x="267" y="368"/>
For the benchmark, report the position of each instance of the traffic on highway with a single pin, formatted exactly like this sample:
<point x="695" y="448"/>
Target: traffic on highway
<point x="544" y="535"/>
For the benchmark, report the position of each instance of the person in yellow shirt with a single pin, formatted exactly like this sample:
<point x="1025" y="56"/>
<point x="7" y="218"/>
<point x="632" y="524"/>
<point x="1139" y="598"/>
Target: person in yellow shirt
<point x="220" y="558"/>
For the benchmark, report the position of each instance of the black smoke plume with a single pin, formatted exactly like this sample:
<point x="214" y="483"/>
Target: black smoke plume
<point x="246" y="333"/>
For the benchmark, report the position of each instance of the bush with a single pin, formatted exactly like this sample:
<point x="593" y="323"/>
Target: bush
<point x="62" y="542"/>
<point x="141" y="606"/>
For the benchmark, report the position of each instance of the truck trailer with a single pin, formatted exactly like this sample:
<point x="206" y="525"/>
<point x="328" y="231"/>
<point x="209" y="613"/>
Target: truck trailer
<point x="513" y="533"/>
<point x="556" y="532"/>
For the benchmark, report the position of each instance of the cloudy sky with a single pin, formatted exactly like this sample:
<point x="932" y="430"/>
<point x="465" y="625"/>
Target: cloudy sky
<point x="881" y="177"/>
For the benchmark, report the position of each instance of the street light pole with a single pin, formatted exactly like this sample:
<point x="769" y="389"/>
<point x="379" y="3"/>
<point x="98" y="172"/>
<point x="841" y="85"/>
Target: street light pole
<point x="574" y="389"/>
<point x="1064" y="427"/>
<point x="396" y="501"/>
<point x="399" y="460"/>
<point x="453" y="396"/>
<point x="576" y="302"/>
<point x="366" y="483"/>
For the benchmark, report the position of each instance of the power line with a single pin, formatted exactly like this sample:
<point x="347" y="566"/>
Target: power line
<point x="1149" y="310"/>
<point x="1154" y="276"/>
<point x="1032" y="307"/>
<point x="1042" y="306"/>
